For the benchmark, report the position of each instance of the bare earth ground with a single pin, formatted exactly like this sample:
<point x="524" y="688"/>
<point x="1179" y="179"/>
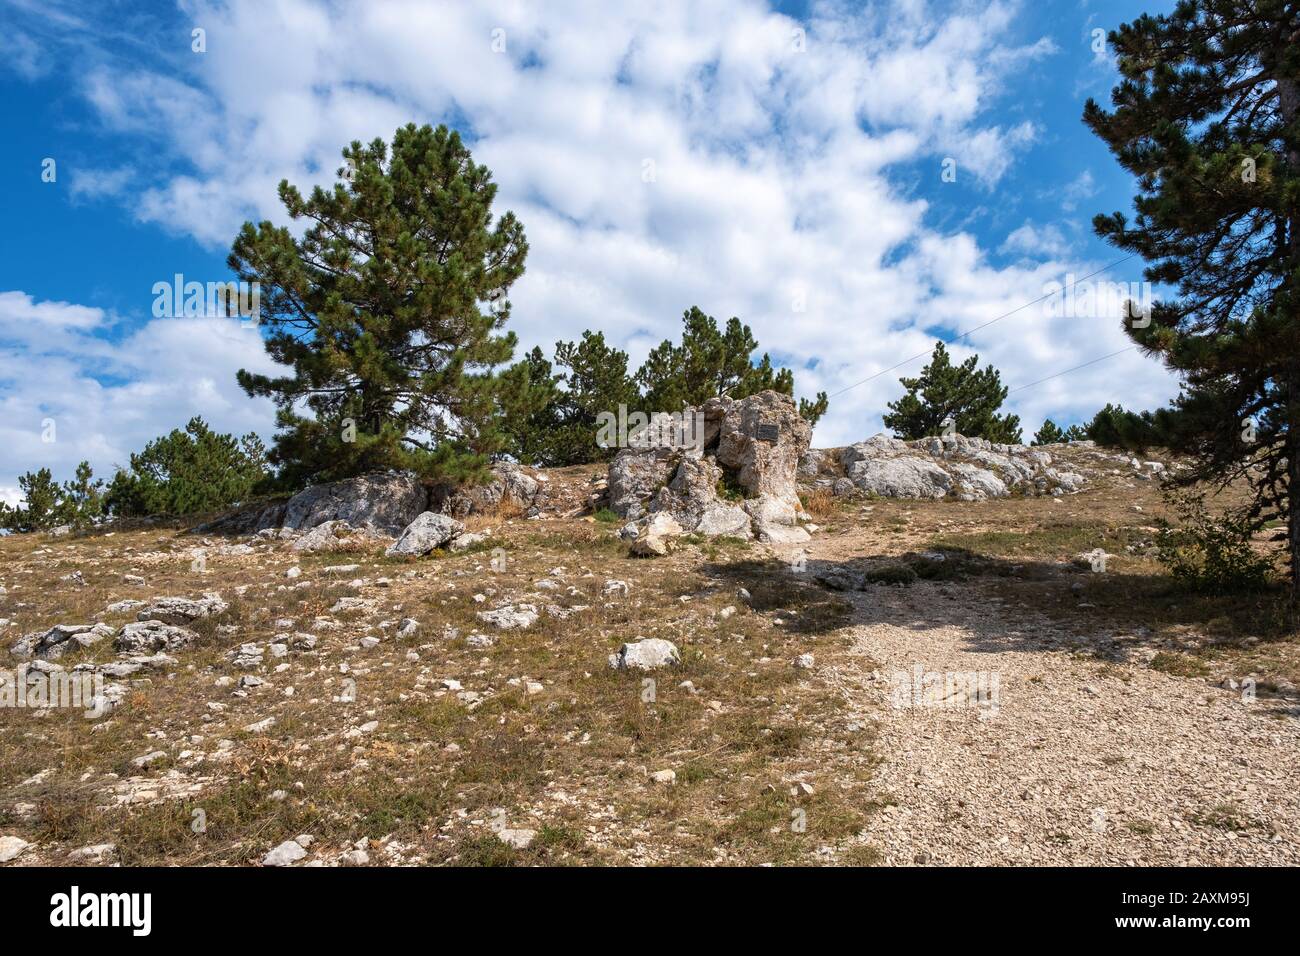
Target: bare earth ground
<point x="1110" y="738"/>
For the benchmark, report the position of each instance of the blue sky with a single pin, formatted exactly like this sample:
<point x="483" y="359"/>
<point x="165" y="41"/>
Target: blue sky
<point x="795" y="152"/>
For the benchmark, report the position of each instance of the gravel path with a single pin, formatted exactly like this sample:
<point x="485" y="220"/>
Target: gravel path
<point x="1081" y="761"/>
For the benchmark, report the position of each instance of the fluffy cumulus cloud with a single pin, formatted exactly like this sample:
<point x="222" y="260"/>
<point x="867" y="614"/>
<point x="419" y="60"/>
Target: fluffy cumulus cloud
<point x="661" y="156"/>
<point x="77" y="383"/>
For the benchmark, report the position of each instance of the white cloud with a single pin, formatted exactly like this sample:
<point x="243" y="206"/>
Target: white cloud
<point x="1037" y="242"/>
<point x="1077" y="190"/>
<point x="772" y="175"/>
<point x="23" y="55"/>
<point x="73" y="387"/>
<point x="89" y="183"/>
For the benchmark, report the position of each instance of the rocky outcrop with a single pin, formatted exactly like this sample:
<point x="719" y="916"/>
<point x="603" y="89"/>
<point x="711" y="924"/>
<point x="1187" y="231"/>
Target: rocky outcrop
<point x="177" y="610"/>
<point x="245" y="519"/>
<point x="383" y="503"/>
<point x="635" y="475"/>
<point x="739" y="482"/>
<point x="339" y="536"/>
<point x="510" y="488"/>
<point x="762" y="438"/>
<point x="379" y="505"/>
<point x="511" y="617"/>
<point x="58" y="640"/>
<point x="150" y="637"/>
<point x="970" y="469"/>
<point x="691" y="498"/>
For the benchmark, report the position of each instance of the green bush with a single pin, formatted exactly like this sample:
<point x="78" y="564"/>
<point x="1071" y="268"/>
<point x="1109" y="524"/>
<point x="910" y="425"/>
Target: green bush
<point x="1207" y="553"/>
<point x="188" y="472"/>
<point x="892" y="573"/>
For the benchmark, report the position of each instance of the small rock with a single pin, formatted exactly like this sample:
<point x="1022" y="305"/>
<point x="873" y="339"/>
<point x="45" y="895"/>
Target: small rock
<point x="286" y="854"/>
<point x="11" y="847"/>
<point x="645" y="655"/>
<point x="519" y="839"/>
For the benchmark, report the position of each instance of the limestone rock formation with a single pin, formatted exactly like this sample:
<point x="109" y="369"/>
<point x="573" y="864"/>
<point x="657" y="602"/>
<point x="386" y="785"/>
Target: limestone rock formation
<point x="384" y="503"/>
<point x="970" y="469"/>
<point x="751" y="446"/>
<point x="54" y="643"/>
<point x="510" y="487"/>
<point x="762" y="438"/>
<point x="178" y="610"/>
<point x="426" y="532"/>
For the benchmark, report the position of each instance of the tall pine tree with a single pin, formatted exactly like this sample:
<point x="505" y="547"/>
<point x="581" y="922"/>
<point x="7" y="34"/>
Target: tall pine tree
<point x="713" y="363"/>
<point x="962" y="396"/>
<point x="1207" y="118"/>
<point x="388" y="313"/>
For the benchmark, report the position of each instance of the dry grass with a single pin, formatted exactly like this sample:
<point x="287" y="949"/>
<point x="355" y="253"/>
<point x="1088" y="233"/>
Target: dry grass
<point x="568" y="757"/>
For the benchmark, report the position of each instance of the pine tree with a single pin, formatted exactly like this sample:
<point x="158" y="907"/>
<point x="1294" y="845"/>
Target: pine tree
<point x="389" y="313"/>
<point x="1207" y="118"/>
<point x="596" y="380"/>
<point x="563" y="430"/>
<point x="188" y="472"/>
<point x="529" y="426"/>
<point x="713" y="363"/>
<point x="82" y="500"/>
<point x="47" y="504"/>
<point x="811" y="412"/>
<point x="959" y="396"/>
<point x="1049" y="434"/>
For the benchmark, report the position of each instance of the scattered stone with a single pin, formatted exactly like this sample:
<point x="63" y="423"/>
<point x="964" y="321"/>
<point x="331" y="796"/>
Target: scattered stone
<point x="510" y="617"/>
<point x="150" y="637"/>
<point x="427" y="532"/>
<point x="519" y="839"/>
<point x="648" y="654"/>
<point x="96" y="853"/>
<point x="338" y="536"/>
<point x="149" y="758"/>
<point x="286" y="854"/>
<point x="11" y="847"/>
<point x="467" y="540"/>
<point x="176" y="610"/>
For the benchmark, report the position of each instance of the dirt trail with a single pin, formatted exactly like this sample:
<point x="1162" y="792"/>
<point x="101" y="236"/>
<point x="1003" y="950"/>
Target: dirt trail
<point x="1081" y="761"/>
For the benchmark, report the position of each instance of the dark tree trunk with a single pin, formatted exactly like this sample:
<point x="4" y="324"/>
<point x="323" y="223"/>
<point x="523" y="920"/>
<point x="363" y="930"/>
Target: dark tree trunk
<point x="1289" y="103"/>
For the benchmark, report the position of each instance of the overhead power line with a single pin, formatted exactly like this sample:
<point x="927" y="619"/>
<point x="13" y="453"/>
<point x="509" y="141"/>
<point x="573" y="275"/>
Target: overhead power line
<point x="1004" y="315"/>
<point x="1102" y="358"/>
